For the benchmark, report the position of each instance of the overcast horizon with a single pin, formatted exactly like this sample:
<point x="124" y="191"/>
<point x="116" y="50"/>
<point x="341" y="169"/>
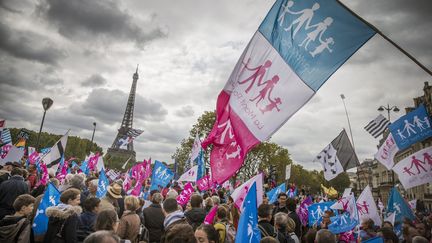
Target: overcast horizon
<point x="83" y="54"/>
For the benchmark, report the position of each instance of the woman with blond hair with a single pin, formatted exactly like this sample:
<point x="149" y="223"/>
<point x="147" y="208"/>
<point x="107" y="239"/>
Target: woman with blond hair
<point x="130" y="221"/>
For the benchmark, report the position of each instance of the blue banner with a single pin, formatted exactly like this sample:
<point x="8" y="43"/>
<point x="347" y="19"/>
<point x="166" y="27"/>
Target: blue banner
<point x="161" y="176"/>
<point x="342" y="223"/>
<point x="398" y="205"/>
<point x="316" y="211"/>
<point x="273" y="194"/>
<point x="201" y="165"/>
<point x="248" y="223"/>
<point x="102" y="184"/>
<point x="50" y="198"/>
<point x="411" y="128"/>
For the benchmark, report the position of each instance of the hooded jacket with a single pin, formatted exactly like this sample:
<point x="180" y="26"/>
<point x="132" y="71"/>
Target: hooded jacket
<point x="15" y="229"/>
<point x="63" y="223"/>
<point x="195" y="217"/>
<point x="172" y="219"/>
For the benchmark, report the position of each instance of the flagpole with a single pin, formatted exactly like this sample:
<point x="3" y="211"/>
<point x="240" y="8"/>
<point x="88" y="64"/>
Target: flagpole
<point x="387" y="38"/>
<point x="349" y="124"/>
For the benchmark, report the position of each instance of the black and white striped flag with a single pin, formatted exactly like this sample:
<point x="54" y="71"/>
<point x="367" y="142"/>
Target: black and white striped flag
<point x="377" y="126"/>
<point x="134" y="132"/>
<point x="52" y="159"/>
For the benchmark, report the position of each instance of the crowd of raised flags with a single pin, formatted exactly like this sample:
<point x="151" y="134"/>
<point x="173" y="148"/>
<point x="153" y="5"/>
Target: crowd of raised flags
<point x="295" y="50"/>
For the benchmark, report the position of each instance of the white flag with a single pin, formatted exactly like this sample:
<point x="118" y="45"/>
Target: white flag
<point x="14" y="154"/>
<point x="347" y="192"/>
<point x="366" y="206"/>
<point x="53" y="157"/>
<point x="190" y="175"/>
<point x="100" y="164"/>
<point x="413" y="204"/>
<point x="330" y="162"/>
<point x="240" y="192"/>
<point x="391" y="218"/>
<point x="416" y="169"/>
<point x="287" y="172"/>
<point x="387" y="152"/>
<point x="196" y="148"/>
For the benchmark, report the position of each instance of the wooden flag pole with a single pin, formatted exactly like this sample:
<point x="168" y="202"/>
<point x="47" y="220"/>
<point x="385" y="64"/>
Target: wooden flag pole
<point x="387" y="38"/>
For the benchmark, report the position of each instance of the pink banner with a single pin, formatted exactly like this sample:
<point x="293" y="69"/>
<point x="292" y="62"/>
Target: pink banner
<point x="127" y="183"/>
<point x="185" y="195"/>
<point x="209" y="219"/>
<point x="231" y="141"/>
<point x="204" y="183"/>
<point x="93" y="161"/>
<point x="33" y="157"/>
<point x="45" y="177"/>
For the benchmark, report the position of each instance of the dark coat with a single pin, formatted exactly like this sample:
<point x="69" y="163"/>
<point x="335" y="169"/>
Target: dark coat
<point x="195" y="217"/>
<point x="86" y="225"/>
<point x="298" y="228"/>
<point x="9" y="191"/>
<point x="15" y="229"/>
<point x="66" y="216"/>
<point x="266" y="228"/>
<point x="153" y="221"/>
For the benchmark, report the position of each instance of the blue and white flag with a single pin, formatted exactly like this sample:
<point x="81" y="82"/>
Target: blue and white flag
<point x="248" y="223"/>
<point x="161" y="176"/>
<point x="411" y="128"/>
<point x="84" y="167"/>
<point x="273" y="194"/>
<point x="5" y="136"/>
<point x="398" y="205"/>
<point x="50" y="198"/>
<point x="346" y="221"/>
<point x="201" y="165"/>
<point x="316" y="211"/>
<point x="102" y="185"/>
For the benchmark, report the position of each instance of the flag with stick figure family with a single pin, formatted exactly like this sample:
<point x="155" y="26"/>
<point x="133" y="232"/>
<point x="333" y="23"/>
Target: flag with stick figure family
<point x="317" y="210"/>
<point x="411" y="128"/>
<point x="297" y="47"/>
<point x="416" y="169"/>
<point x="161" y="176"/>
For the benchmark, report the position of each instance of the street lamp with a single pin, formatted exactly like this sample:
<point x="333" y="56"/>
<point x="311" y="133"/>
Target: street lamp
<point x="388" y="109"/>
<point x="46" y="104"/>
<point x="94" y="129"/>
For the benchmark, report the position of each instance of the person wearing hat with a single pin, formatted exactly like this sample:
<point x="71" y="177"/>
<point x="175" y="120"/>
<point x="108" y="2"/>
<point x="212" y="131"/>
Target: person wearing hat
<point x="111" y="197"/>
<point x="5" y="172"/>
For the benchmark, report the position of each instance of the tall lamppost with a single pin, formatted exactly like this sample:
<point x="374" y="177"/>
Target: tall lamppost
<point x="94" y="129"/>
<point x="388" y="109"/>
<point x="46" y="104"/>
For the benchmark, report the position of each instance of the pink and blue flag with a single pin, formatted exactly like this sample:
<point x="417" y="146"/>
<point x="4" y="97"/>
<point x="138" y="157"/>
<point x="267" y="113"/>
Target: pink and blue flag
<point x="297" y="47"/>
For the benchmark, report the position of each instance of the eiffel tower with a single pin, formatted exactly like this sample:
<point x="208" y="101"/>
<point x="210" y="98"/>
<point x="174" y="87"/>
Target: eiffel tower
<point x="115" y="154"/>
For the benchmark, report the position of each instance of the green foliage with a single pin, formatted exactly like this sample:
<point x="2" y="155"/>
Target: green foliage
<point x="76" y="146"/>
<point x="259" y="158"/>
<point x="341" y="182"/>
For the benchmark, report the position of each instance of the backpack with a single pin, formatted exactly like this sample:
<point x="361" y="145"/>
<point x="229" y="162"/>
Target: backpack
<point x="230" y="233"/>
<point x="143" y="235"/>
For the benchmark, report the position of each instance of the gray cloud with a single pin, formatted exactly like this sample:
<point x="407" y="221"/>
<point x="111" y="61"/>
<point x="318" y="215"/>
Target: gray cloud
<point x="77" y="19"/>
<point x="108" y="106"/>
<point x="94" y="81"/>
<point x="30" y="46"/>
<point x="185" y="111"/>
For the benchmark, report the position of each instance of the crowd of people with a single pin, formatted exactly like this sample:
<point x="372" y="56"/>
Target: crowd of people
<point x="80" y="216"/>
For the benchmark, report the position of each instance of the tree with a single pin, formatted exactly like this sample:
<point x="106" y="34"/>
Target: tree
<point x="76" y="146"/>
<point x="258" y="159"/>
<point x="341" y="182"/>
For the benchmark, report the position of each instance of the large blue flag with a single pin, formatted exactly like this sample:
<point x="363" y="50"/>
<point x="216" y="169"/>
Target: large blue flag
<point x="102" y="185"/>
<point x="316" y="211"/>
<point x="398" y="205"/>
<point x="411" y="128"/>
<point x="50" y="198"/>
<point x="248" y="223"/>
<point x="273" y="194"/>
<point x="161" y="176"/>
<point x="84" y="167"/>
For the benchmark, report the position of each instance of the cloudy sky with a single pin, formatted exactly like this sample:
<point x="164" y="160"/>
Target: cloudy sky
<point x="82" y="54"/>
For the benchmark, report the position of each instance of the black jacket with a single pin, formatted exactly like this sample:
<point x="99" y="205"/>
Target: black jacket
<point x="62" y="216"/>
<point x="195" y="217"/>
<point x="9" y="191"/>
<point x="266" y="228"/>
<point x="153" y="221"/>
<point x="298" y="228"/>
